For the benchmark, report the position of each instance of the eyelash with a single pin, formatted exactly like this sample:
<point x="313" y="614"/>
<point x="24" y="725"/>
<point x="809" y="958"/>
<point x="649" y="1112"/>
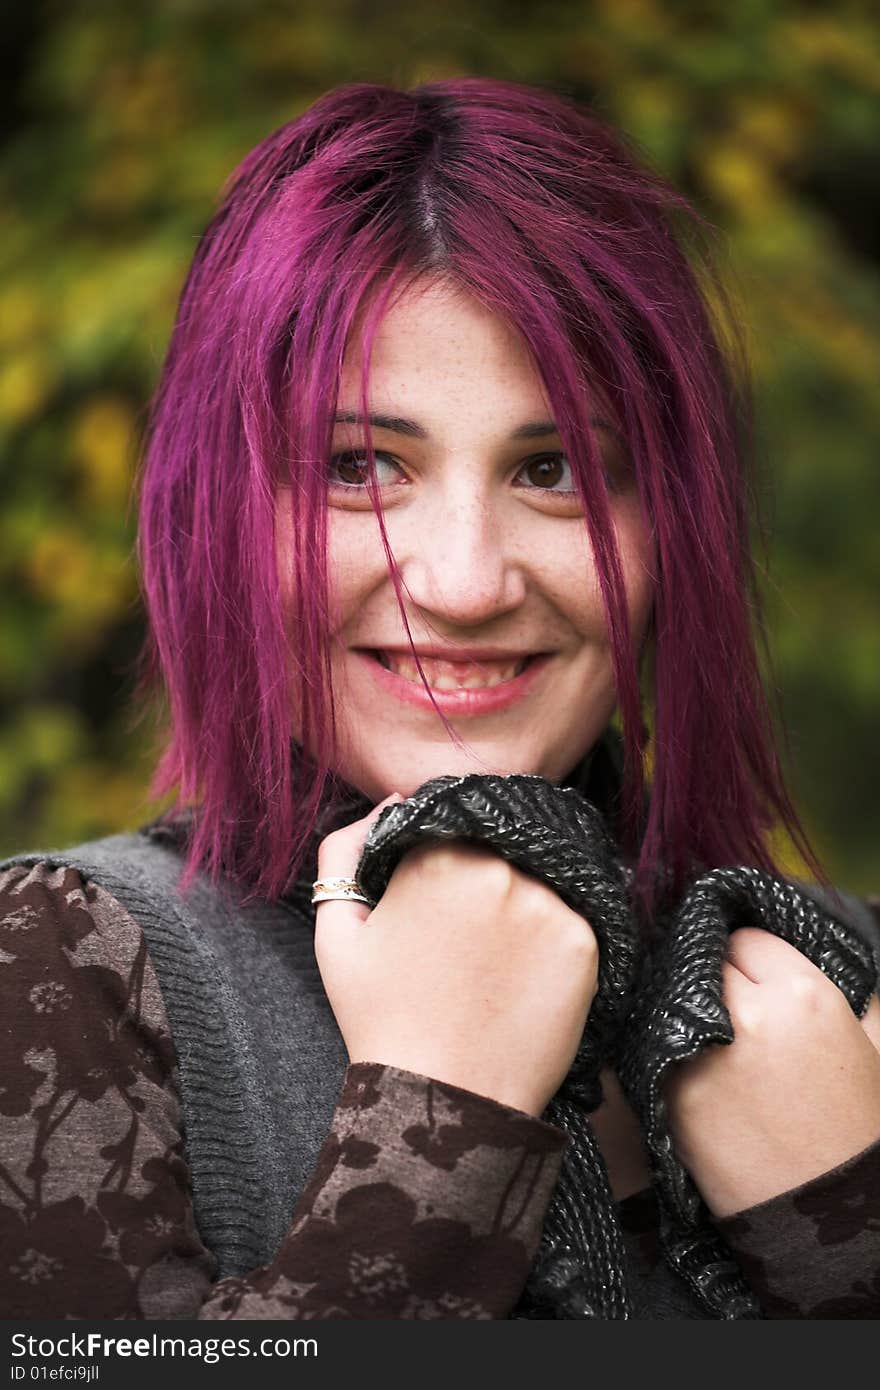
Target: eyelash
<point x="536" y="458"/>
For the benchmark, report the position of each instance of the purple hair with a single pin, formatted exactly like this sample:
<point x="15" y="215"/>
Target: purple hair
<point x="527" y="201"/>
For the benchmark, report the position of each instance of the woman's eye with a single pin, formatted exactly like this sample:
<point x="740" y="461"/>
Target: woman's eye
<point x="351" y="469"/>
<point x="552" y="472"/>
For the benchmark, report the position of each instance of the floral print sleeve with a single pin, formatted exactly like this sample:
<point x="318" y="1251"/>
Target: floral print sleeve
<point x="426" y="1202"/>
<point x="814" y="1252"/>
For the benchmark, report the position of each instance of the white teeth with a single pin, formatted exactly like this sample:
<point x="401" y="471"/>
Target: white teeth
<point x="452" y="675"/>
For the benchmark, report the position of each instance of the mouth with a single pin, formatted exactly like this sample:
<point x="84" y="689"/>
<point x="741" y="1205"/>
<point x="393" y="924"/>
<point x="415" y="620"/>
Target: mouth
<point x="476" y="684"/>
<point x="482" y="673"/>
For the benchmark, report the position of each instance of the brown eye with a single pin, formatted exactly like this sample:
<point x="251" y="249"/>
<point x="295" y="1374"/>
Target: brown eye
<point x="551" y="472"/>
<point x="349" y="468"/>
<point x="546" y="472"/>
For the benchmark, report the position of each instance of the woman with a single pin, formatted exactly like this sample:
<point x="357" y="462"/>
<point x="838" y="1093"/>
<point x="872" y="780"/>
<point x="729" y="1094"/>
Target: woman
<point x="444" y="469"/>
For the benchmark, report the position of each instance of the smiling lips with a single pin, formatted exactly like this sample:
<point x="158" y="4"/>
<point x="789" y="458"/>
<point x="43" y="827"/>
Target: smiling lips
<point x="476" y="683"/>
<point x="440" y="674"/>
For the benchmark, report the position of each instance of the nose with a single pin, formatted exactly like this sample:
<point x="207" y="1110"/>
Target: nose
<point x="459" y="563"/>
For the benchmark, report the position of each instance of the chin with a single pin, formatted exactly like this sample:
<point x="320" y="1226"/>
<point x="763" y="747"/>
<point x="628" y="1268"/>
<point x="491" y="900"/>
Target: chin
<point x="406" y="775"/>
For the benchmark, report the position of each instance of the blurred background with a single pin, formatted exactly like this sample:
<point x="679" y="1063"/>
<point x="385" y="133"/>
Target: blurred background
<point x="120" y="123"/>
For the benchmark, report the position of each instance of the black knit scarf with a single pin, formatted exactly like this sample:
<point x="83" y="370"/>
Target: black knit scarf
<point x="655" y="1005"/>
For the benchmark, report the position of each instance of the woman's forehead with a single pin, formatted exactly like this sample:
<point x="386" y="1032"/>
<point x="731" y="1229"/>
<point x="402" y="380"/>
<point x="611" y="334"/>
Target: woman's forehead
<point x="436" y="327"/>
<point x="439" y="354"/>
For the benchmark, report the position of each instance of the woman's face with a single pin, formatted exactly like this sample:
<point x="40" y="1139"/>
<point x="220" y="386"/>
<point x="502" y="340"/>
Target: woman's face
<point x="500" y="588"/>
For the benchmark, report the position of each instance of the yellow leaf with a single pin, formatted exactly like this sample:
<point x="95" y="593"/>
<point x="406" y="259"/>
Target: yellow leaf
<point x="20" y="314"/>
<point x="25" y="385"/>
<point x="102" y="445"/>
<point x="738" y="176"/>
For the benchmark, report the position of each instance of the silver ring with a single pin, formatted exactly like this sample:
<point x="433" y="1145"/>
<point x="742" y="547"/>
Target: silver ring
<point x="343" y="890"/>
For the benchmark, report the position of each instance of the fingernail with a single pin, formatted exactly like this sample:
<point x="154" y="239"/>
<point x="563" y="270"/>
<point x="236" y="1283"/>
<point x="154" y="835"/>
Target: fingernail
<point x="380" y="806"/>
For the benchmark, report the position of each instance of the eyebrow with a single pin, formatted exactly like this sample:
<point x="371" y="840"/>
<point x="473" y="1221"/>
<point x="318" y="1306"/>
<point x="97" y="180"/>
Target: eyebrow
<point x="533" y="429"/>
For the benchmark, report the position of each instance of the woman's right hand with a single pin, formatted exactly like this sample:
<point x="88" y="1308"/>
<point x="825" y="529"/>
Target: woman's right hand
<point x="468" y="970"/>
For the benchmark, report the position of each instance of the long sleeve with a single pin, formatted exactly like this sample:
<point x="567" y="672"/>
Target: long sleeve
<point x="426" y="1201"/>
<point x="810" y="1253"/>
<point x="814" y="1252"/>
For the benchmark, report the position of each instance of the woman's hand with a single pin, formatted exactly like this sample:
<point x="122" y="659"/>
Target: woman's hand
<point x="468" y="970"/>
<point x="795" y="1094"/>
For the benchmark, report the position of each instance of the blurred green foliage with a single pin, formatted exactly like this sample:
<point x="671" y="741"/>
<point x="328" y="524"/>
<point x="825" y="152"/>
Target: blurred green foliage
<point x="121" y="123"/>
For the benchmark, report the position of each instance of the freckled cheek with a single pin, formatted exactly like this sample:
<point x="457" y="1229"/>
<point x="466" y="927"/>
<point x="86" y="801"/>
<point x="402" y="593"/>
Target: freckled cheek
<point x="572" y="585"/>
<point x="355" y="563"/>
<point x="568" y="580"/>
<point x="356" y="566"/>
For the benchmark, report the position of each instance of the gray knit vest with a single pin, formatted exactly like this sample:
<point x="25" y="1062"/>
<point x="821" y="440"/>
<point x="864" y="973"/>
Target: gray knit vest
<point x="261" y="1059"/>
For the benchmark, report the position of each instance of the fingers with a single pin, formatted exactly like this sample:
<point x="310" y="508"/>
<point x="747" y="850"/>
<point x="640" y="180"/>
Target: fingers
<point x="763" y="957"/>
<point x="345" y="845"/>
<point x="338" y="857"/>
<point x="760" y="958"/>
<point x="757" y="958"/>
<point x="740" y="996"/>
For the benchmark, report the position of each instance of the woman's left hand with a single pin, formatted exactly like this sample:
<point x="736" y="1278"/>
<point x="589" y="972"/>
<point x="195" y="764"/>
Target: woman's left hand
<point x="795" y="1094"/>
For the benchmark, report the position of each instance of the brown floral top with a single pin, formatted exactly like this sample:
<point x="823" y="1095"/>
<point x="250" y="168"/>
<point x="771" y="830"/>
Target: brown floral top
<point x="96" y="1217"/>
